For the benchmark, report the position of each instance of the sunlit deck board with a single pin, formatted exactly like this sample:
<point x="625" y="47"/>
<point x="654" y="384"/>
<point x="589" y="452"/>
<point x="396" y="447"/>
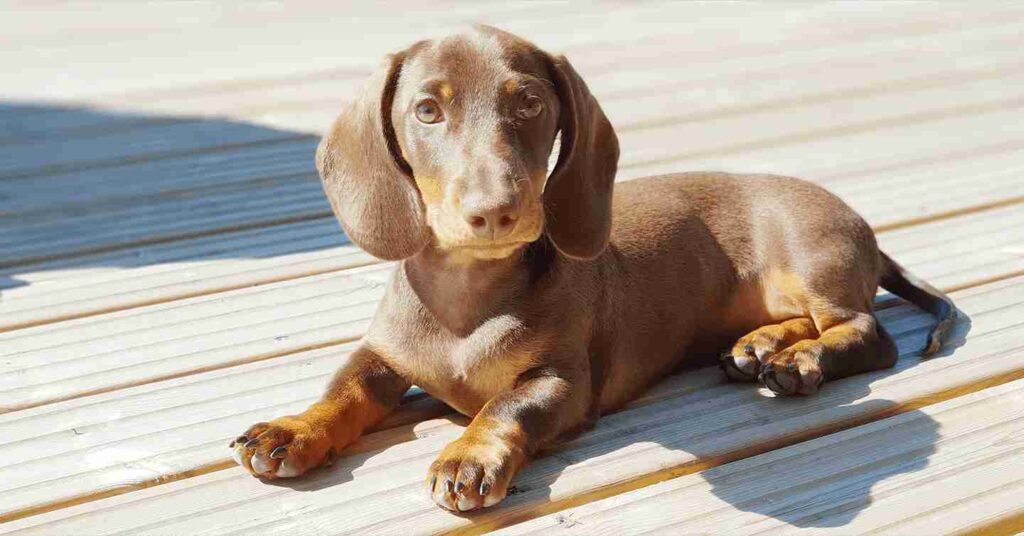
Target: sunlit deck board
<point x="123" y="279"/>
<point x="74" y="442"/>
<point x="167" y="240"/>
<point x="690" y="422"/>
<point x="330" y="32"/>
<point x="950" y="467"/>
<point x="56" y="361"/>
<point x="963" y="177"/>
<point x="715" y="126"/>
<point x="266" y="197"/>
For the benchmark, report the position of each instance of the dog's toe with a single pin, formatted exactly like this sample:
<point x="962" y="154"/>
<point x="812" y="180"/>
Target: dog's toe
<point x="469" y="475"/>
<point x="284" y="448"/>
<point x="791" y="373"/>
<point x="740" y="367"/>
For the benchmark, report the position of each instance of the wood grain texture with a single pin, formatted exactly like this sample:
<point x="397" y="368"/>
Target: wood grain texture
<point x="207" y="408"/>
<point x="947" y="468"/>
<point x="170" y="271"/>
<point x="710" y="105"/>
<point x="689" y="423"/>
<point x="74" y="358"/>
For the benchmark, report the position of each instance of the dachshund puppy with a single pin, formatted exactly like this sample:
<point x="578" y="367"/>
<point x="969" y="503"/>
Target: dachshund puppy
<point x="536" y="303"/>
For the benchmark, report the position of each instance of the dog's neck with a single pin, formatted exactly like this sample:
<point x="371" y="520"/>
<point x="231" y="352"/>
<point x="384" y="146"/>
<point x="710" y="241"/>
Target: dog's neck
<point x="462" y="294"/>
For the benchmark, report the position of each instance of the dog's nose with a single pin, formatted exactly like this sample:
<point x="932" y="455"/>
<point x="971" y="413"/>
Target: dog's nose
<point x="489" y="219"/>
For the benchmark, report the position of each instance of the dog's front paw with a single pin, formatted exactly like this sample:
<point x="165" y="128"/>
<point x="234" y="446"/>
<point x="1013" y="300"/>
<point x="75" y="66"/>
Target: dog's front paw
<point x="473" y="471"/>
<point x="283" y="448"/>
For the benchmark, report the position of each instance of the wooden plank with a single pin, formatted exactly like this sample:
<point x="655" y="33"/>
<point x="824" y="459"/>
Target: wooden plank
<point x="941" y="469"/>
<point x="45" y="230"/>
<point x="278" y="199"/>
<point x="164" y="340"/>
<point x="164" y="272"/>
<point x="207" y="408"/>
<point x="56" y="361"/>
<point x="618" y="74"/>
<point x="149" y="343"/>
<point x="138" y="437"/>
<point x="923" y="169"/>
<point x="146" y="142"/>
<point x="67" y="451"/>
<point x="631" y="102"/>
<point x="964" y="250"/>
<point x="30" y="199"/>
<point x="353" y="37"/>
<point x="165" y="219"/>
<point x="298" y="45"/>
<point x="690" y="422"/>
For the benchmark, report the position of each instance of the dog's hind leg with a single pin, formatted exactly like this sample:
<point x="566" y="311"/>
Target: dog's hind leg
<point x="850" y="343"/>
<point x="743" y="362"/>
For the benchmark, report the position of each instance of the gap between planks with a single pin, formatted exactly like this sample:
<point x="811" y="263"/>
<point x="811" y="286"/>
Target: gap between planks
<point x="349" y="264"/>
<point x="206" y="467"/>
<point x="876" y="469"/>
<point x="991" y="357"/>
<point x="255" y="350"/>
<point x="761" y="145"/>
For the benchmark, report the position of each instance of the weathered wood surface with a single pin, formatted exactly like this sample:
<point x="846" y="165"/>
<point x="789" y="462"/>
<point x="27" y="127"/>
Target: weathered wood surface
<point x="170" y="271"/>
<point x="951" y="467"/>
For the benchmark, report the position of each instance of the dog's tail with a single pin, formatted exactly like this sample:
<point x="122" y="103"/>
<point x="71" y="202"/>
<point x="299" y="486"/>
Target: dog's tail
<point x="906" y="285"/>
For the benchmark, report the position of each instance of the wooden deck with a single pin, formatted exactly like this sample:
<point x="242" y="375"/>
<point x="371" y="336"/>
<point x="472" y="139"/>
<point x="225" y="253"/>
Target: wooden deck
<point x="170" y="271"/>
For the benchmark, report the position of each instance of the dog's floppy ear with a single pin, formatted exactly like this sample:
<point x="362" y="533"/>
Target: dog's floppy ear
<point x="366" y="179"/>
<point x="578" y="195"/>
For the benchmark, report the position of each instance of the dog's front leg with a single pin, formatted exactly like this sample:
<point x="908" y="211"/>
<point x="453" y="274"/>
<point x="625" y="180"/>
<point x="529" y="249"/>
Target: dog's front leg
<point x="475" y="470"/>
<point x="363" y="391"/>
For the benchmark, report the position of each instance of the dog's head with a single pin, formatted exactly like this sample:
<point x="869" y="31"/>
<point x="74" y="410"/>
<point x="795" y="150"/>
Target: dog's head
<point x="449" y="144"/>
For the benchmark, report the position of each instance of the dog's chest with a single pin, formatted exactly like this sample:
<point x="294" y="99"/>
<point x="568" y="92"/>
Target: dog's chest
<point x="465" y="372"/>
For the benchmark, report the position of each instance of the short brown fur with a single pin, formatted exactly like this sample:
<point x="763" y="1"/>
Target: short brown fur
<point x="535" y="304"/>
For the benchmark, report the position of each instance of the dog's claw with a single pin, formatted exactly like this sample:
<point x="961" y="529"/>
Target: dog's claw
<point x="251" y="443"/>
<point x="732" y="369"/>
<point x="448" y="486"/>
<point x="279" y="453"/>
<point x="460" y="487"/>
<point x="485" y="488"/>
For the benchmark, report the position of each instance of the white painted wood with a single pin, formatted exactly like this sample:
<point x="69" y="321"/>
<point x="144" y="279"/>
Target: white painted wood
<point x="176" y="189"/>
<point x="55" y="361"/>
<point x="330" y="36"/>
<point x="941" y="469"/>
<point x="181" y="269"/>
<point x="623" y="77"/>
<point x="74" y="229"/>
<point x="382" y="489"/>
<point x="205" y="409"/>
<point x="67" y="359"/>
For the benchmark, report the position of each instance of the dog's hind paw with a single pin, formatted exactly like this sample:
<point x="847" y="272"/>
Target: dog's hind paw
<point x="742" y="367"/>
<point x="792" y="372"/>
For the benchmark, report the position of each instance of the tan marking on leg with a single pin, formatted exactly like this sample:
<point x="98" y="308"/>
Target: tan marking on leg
<point x="474" y="471"/>
<point x="754" y="348"/>
<point x="843" y="349"/>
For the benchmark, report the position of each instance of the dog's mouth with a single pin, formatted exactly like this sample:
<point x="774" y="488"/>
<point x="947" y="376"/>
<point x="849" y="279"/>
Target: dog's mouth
<point x="491" y="251"/>
<point x="493" y="246"/>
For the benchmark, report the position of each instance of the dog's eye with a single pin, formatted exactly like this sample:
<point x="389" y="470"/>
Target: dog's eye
<point x="429" y="112"/>
<point x="532" y="107"/>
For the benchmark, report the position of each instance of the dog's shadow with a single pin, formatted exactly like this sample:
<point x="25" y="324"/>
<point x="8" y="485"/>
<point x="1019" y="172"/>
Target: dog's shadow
<point x="85" y="189"/>
<point x="756" y="442"/>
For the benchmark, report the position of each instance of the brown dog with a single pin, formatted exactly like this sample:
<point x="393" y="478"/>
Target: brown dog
<point x="519" y="303"/>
